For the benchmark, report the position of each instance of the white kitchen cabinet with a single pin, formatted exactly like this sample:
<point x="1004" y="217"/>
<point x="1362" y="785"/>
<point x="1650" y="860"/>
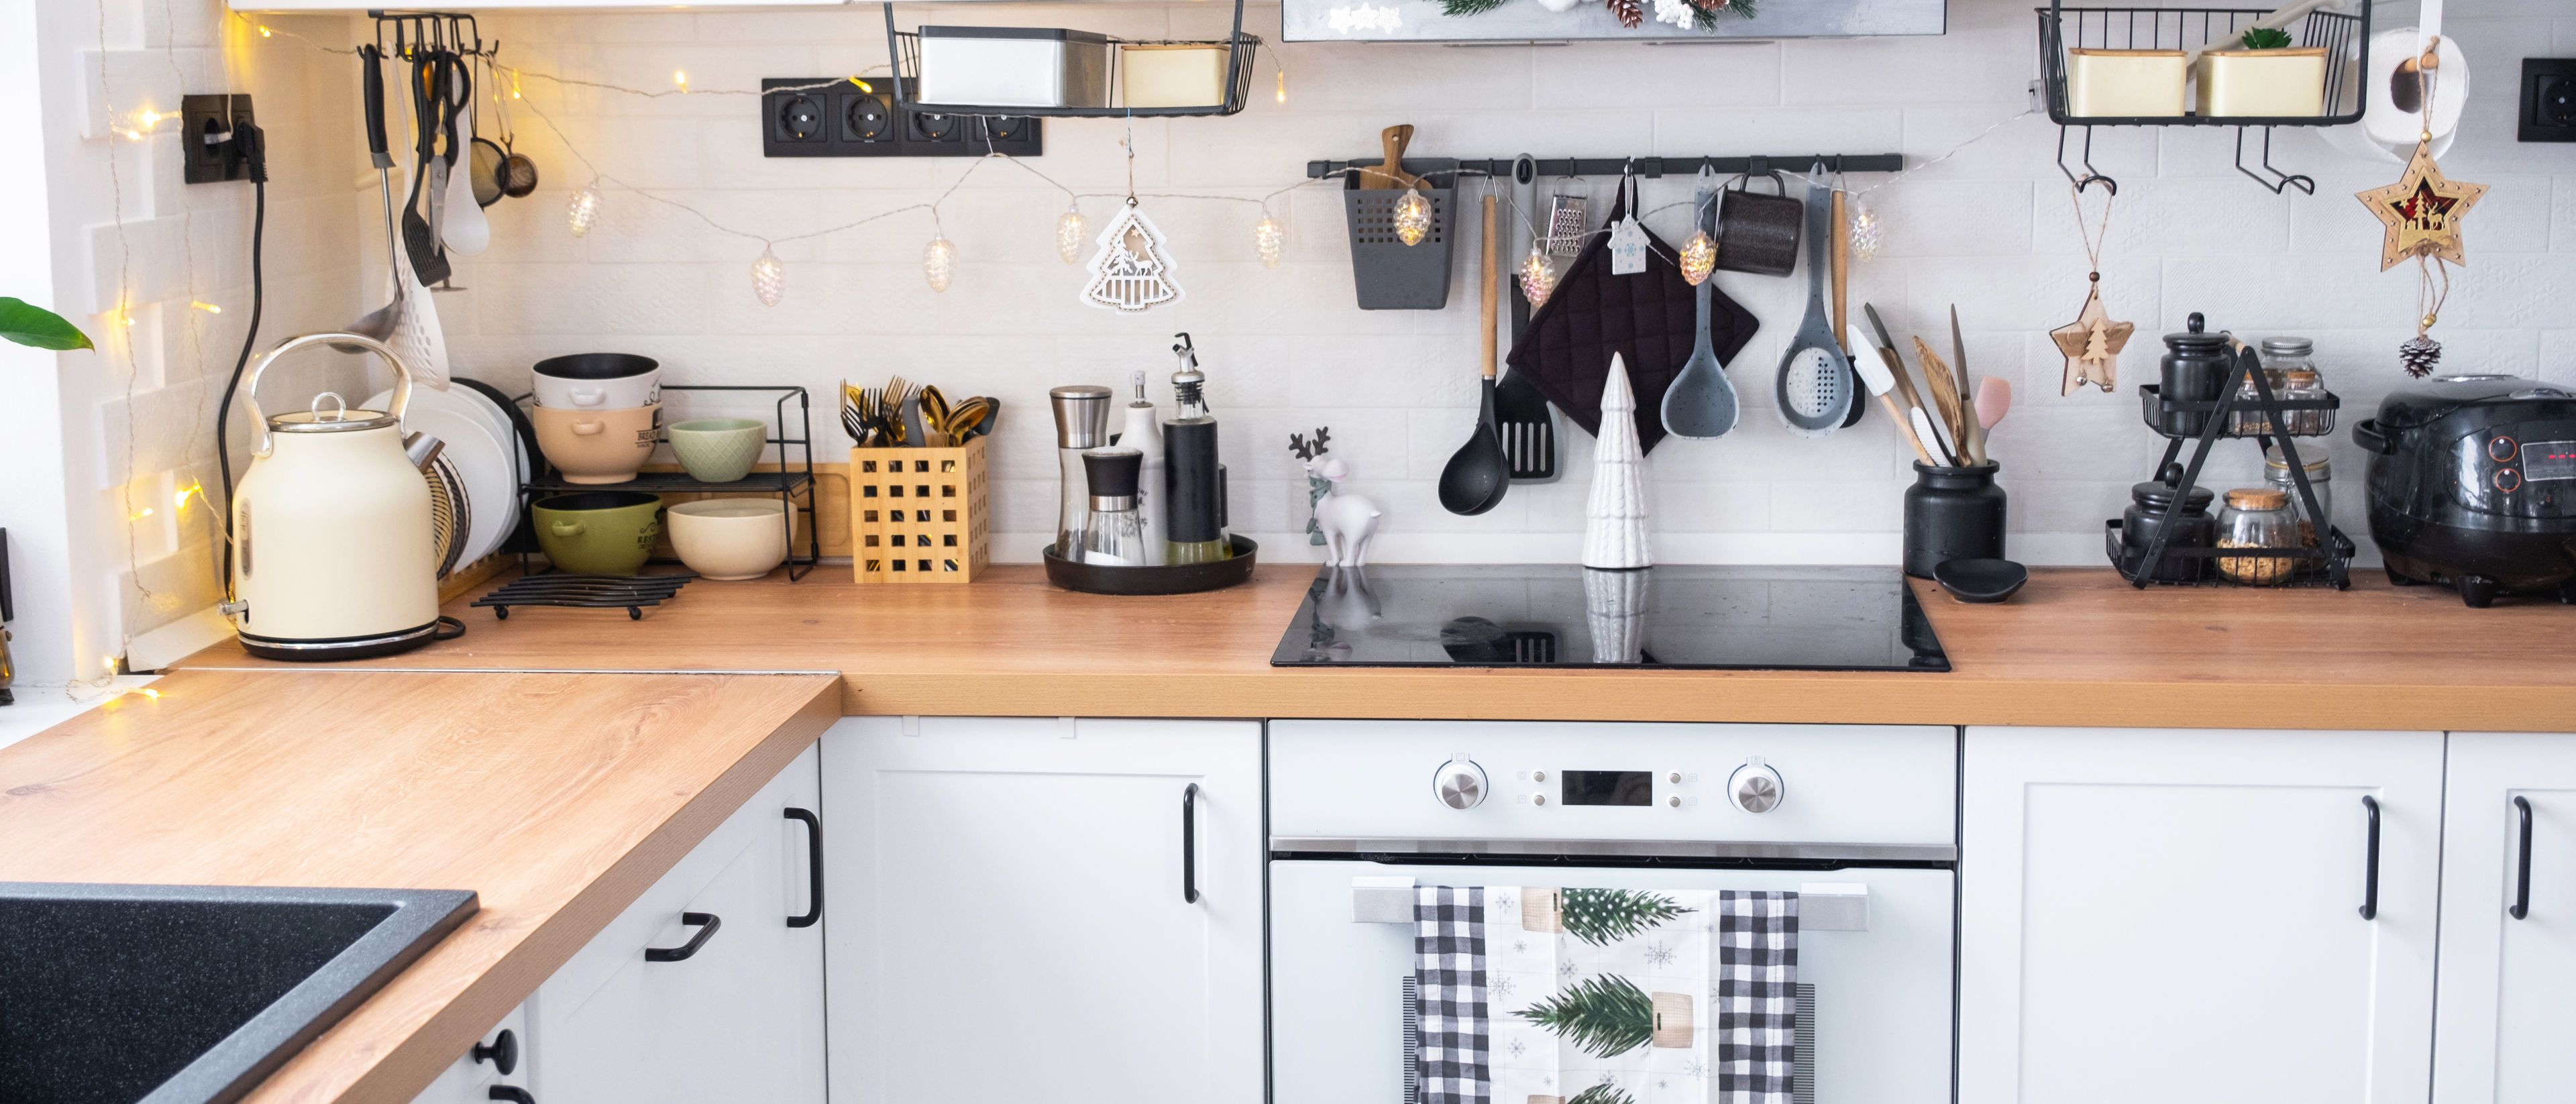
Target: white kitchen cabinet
<point x="739" y="1018"/>
<point x="471" y="1078"/>
<point x="2502" y="1028"/>
<point x="2153" y="915"/>
<point x="1009" y="914"/>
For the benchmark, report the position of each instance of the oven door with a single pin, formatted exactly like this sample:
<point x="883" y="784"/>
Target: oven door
<point x="1877" y="1031"/>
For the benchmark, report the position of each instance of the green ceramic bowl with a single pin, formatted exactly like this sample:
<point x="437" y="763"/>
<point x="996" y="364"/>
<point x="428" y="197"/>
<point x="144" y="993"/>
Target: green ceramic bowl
<point x="599" y="532"/>
<point x="718" y="450"/>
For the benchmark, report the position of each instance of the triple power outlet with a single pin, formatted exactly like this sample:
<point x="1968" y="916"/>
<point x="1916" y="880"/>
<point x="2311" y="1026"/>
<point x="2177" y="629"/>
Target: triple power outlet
<point x="844" y="120"/>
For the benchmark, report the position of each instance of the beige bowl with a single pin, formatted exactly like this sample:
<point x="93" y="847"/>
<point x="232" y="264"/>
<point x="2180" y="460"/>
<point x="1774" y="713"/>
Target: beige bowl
<point x="729" y="538"/>
<point x="597" y="446"/>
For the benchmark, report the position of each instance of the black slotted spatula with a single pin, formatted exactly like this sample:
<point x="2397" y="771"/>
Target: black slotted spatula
<point x="1521" y="415"/>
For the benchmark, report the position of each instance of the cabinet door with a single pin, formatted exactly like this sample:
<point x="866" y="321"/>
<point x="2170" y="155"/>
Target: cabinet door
<point x="2506" y="1016"/>
<point x="1008" y="912"/>
<point x="741" y="1018"/>
<point x="2152" y="915"/>
<point x="469" y="1079"/>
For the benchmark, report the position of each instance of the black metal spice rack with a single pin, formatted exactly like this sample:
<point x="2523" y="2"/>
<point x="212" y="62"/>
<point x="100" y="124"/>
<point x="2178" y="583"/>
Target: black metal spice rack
<point x="2325" y="563"/>
<point x="793" y="482"/>
<point x="2345" y="38"/>
<point x="903" y="50"/>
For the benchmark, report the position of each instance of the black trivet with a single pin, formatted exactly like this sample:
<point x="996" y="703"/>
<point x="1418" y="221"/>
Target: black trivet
<point x="586" y="591"/>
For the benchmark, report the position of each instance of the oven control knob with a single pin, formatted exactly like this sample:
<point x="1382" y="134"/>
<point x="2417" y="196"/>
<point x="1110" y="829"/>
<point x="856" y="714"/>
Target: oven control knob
<point x="1754" y="787"/>
<point x="1460" y="784"/>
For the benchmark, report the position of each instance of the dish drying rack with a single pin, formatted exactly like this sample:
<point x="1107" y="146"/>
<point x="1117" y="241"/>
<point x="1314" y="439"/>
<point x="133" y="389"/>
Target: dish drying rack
<point x="2325" y="563"/>
<point x="903" y="50"/>
<point x="2345" y="38"/>
<point x="793" y="483"/>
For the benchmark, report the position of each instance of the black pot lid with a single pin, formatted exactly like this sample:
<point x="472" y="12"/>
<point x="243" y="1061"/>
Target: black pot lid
<point x="2157" y="496"/>
<point x="2436" y="398"/>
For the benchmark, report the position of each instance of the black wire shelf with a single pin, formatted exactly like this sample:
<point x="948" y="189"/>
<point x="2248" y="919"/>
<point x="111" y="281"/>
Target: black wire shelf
<point x="903" y="50"/>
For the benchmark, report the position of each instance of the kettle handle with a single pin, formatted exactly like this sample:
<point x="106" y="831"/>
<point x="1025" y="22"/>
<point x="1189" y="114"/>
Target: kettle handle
<point x="264" y="442"/>
<point x="2368" y="435"/>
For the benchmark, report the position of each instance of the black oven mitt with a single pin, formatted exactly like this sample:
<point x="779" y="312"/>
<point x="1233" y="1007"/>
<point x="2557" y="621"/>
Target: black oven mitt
<point x="1645" y="318"/>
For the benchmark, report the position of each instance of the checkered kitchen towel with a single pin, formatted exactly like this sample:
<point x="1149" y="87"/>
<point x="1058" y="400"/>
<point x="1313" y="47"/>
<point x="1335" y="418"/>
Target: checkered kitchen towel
<point x="1449" y="975"/>
<point x="1756" y="997"/>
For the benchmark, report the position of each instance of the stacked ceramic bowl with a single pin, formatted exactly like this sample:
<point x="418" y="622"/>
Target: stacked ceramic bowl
<point x="598" y="415"/>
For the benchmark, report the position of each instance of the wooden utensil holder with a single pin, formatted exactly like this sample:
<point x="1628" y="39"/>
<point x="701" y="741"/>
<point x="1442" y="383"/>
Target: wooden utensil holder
<point x="919" y="515"/>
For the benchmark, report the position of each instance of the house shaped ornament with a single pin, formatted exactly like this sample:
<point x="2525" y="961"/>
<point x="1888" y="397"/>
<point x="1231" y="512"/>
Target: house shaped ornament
<point x="1132" y="273"/>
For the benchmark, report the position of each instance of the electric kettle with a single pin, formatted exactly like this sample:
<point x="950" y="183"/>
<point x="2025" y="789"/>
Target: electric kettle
<point x="333" y="554"/>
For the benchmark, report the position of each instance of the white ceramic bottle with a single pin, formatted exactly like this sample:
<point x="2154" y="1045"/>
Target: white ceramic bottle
<point x="1144" y="433"/>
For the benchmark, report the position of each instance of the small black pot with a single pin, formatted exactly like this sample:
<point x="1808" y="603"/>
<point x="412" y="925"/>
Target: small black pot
<point x="1952" y="514"/>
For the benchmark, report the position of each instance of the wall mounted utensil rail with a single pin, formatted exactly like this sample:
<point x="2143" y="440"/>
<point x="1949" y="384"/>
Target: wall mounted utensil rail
<point x="2345" y="39"/>
<point x="1651" y="168"/>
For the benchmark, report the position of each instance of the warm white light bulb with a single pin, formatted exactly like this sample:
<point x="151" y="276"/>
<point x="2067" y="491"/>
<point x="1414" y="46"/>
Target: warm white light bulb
<point x="1068" y="236"/>
<point x="583" y="210"/>
<point x="1536" y="281"/>
<point x="938" y="263"/>
<point x="1866" y="232"/>
<point x="1699" y="258"/>
<point x="1267" y="236"/>
<point x="1412" y="217"/>
<point x="680" y="77"/>
<point x="768" y="278"/>
<point x="1283" y="86"/>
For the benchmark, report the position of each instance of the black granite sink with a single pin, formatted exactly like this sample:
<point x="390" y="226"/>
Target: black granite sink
<point x="114" y="994"/>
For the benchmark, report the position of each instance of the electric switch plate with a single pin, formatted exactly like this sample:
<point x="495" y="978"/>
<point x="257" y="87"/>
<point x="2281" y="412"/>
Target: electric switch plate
<point x="2548" y="100"/>
<point x="844" y="120"/>
<point x="205" y="137"/>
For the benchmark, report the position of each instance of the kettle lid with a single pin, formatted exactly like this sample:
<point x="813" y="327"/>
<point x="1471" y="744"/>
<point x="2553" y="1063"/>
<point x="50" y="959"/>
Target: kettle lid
<point x="338" y="419"/>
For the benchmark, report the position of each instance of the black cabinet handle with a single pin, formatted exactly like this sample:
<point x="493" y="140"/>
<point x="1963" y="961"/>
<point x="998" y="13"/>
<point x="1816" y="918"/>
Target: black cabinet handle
<point x="1190" y="844"/>
<point x="2370" y="873"/>
<point x="813" y="869"/>
<point x="511" y="1093"/>
<point x="2522" y="866"/>
<point x="503" y="1053"/>
<point x="705" y="922"/>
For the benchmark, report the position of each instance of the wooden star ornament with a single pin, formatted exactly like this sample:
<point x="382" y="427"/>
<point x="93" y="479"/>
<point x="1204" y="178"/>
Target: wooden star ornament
<point x="2422" y="212"/>
<point x="2092" y="345"/>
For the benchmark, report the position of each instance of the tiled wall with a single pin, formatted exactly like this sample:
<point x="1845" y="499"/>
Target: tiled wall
<point x="144" y="262"/>
<point x="1990" y="230"/>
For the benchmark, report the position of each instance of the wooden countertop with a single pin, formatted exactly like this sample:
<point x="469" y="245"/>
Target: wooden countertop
<point x="2076" y="647"/>
<point x="558" y="800"/>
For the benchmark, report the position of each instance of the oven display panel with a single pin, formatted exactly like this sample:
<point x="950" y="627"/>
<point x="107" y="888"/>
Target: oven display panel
<point x="2548" y="460"/>
<point x="1609" y="787"/>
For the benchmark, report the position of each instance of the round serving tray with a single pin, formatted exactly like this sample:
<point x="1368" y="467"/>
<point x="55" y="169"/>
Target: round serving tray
<point x="1168" y="579"/>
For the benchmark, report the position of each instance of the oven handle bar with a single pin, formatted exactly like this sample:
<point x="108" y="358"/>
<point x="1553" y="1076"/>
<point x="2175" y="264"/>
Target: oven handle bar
<point x="1686" y="849"/>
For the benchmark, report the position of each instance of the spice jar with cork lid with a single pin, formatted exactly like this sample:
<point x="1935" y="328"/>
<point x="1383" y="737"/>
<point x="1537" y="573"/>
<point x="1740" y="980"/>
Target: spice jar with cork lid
<point x="2257" y="517"/>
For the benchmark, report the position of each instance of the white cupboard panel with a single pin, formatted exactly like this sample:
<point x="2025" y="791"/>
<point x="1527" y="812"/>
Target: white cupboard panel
<point x="2506" y="1027"/>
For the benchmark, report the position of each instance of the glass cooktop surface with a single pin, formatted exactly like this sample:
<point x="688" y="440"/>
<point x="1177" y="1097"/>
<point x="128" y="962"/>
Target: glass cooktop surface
<point x="1681" y="617"/>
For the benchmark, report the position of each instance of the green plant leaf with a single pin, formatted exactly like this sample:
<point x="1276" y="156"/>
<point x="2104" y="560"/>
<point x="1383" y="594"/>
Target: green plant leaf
<point x="1468" y="7"/>
<point x="1602" y="1094"/>
<point x="1604" y="1016"/>
<point x="28" y="324"/>
<point x="1604" y="916"/>
<point x="2266" y="38"/>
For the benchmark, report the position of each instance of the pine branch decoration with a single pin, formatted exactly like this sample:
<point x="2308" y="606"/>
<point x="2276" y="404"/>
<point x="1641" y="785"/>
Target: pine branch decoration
<point x="1707" y="11"/>
<point x="1604" y="916"/>
<point x="1605" y="1016"/>
<point x="1468" y="7"/>
<point x="1631" y="13"/>
<point x="1604" y="1093"/>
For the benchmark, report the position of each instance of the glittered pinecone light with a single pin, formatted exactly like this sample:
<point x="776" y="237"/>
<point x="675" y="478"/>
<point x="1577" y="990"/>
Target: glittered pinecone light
<point x="2419" y="355"/>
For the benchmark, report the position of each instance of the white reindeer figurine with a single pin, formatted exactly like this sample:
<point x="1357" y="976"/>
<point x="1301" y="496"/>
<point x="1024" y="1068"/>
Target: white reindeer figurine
<point x="1348" y="520"/>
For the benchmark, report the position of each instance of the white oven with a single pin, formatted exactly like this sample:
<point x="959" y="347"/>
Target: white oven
<point x="1859" y="821"/>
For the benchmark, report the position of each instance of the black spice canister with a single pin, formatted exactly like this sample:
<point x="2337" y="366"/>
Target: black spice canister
<point x="2194" y="369"/>
<point x="1952" y="514"/>
<point x="2149" y="502"/>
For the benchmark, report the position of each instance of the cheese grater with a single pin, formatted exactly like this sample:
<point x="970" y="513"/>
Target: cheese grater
<point x="1565" y="224"/>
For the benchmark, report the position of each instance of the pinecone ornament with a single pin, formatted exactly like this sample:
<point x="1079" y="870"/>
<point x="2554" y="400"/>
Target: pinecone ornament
<point x="2419" y="355"/>
<point x="1631" y="13"/>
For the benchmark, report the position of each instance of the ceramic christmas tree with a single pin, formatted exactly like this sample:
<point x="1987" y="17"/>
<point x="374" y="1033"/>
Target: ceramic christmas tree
<point x="1614" y="532"/>
<point x="1614" y="605"/>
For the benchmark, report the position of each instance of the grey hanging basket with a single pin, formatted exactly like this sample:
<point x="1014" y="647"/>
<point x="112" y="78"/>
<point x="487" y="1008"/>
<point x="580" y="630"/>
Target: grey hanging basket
<point x="1389" y="274"/>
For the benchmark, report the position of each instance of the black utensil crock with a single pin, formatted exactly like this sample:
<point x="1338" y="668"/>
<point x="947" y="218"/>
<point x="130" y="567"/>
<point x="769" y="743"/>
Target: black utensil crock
<point x="1952" y="514"/>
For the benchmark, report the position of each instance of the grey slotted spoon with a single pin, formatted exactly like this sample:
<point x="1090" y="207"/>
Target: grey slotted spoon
<point x="1700" y="403"/>
<point x="1814" y="386"/>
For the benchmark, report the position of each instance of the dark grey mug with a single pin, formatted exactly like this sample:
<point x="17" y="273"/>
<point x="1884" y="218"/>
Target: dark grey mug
<point x="1758" y="233"/>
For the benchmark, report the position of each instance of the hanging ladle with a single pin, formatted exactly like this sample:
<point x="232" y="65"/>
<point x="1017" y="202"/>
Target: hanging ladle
<point x="1478" y="475"/>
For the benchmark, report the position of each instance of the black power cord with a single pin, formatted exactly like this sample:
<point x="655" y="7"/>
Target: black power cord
<point x="249" y="147"/>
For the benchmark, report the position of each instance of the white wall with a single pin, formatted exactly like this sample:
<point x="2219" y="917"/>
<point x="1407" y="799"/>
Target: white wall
<point x="1990" y="230"/>
<point x="136" y="418"/>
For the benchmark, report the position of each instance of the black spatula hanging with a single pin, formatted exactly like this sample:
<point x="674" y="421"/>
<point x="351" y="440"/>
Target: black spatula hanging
<point x="428" y="99"/>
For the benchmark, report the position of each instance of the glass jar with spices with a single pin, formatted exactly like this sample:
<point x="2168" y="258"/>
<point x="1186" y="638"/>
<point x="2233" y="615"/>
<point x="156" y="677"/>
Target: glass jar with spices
<point x="2276" y="473"/>
<point x="2257" y="517"/>
<point x="2304" y="386"/>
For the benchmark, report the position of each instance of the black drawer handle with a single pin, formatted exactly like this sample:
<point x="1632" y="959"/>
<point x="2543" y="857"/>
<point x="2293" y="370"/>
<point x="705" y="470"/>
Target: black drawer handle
<point x="1190" y="844"/>
<point x="705" y="922"/>
<point x="512" y="1093"/>
<point x="2522" y="866"/>
<point x="2370" y="872"/>
<point x="813" y="868"/>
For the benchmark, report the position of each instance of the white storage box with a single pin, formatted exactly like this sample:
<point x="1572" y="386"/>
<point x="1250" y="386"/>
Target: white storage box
<point x="1172" y="75"/>
<point x="2123" y="84"/>
<point x="1013" y="67"/>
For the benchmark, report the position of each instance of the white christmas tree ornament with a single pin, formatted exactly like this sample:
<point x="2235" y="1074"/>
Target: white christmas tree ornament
<point x="1131" y="272"/>
<point x="1614" y="518"/>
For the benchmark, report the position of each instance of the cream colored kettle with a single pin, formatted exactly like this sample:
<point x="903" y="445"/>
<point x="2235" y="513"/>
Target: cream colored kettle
<point x="333" y="557"/>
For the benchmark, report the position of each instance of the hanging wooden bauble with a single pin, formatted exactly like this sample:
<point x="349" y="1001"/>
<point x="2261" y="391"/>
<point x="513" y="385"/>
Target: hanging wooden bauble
<point x="2422" y="212"/>
<point x="2092" y="344"/>
<point x="1131" y="272"/>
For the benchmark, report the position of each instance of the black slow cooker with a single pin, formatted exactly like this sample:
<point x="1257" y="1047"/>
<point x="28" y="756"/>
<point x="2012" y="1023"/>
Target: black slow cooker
<point x="2473" y="486"/>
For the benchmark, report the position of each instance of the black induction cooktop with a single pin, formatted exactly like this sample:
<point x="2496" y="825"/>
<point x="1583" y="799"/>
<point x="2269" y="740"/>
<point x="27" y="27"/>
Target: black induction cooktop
<point x="1694" y="617"/>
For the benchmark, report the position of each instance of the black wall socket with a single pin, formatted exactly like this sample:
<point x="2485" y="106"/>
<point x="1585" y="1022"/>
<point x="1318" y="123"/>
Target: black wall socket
<point x="205" y="137"/>
<point x="844" y="120"/>
<point x="2548" y="100"/>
